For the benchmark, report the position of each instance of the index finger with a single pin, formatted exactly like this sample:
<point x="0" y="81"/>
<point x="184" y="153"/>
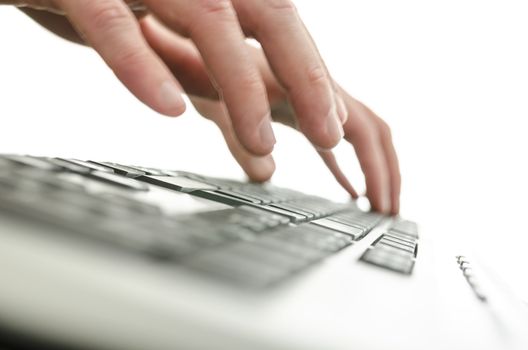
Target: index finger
<point x="112" y="30"/>
<point x="297" y="64"/>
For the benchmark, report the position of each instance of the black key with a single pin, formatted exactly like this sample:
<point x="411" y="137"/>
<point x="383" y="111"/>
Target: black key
<point x="180" y="184"/>
<point x="352" y="231"/>
<point x="119" y="180"/>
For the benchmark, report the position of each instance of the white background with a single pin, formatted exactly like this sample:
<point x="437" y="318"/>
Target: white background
<point x="450" y="77"/>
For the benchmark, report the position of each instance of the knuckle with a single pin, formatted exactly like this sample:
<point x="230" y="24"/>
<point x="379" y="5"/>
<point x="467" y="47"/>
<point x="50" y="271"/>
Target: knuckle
<point x="317" y="75"/>
<point x="128" y="60"/>
<point x="251" y="81"/>
<point x="217" y="7"/>
<point x="285" y="6"/>
<point x="109" y="16"/>
<point x="385" y="129"/>
<point x="206" y="12"/>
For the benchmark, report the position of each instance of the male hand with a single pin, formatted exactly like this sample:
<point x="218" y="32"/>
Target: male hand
<point x="202" y="44"/>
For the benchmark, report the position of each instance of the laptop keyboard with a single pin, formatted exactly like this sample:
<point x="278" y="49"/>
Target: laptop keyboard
<point x="266" y="235"/>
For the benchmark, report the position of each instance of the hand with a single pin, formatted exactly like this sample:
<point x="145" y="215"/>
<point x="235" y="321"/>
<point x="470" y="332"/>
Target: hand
<point x="368" y="133"/>
<point x="216" y="64"/>
<point x="218" y="29"/>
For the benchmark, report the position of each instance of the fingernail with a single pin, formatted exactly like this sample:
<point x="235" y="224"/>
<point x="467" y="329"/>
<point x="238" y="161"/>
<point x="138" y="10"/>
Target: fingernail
<point x="170" y="99"/>
<point x="341" y="109"/>
<point x="334" y="128"/>
<point x="267" y="137"/>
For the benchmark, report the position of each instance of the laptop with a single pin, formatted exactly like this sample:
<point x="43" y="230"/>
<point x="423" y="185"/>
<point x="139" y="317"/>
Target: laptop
<point x="100" y="255"/>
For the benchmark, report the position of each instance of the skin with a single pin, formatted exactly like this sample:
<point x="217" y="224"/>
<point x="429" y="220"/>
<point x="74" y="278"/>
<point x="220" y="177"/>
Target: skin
<point x="198" y="47"/>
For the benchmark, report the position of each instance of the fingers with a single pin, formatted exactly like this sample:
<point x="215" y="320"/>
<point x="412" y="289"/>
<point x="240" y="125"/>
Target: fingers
<point x="214" y="28"/>
<point x="379" y="167"/>
<point x="297" y="65"/>
<point x="111" y="28"/>
<point x="258" y="169"/>
<point x="181" y="56"/>
<point x="391" y="158"/>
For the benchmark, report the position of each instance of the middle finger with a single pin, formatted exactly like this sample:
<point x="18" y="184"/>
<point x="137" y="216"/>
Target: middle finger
<point x="214" y="28"/>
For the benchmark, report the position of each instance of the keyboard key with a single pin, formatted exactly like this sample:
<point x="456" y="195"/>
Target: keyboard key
<point x="398" y="241"/>
<point x="68" y="166"/>
<point x="400" y="237"/>
<point x="388" y="260"/>
<point x="315" y="237"/>
<point x="291" y="248"/>
<point x="354" y="232"/>
<point x="87" y="165"/>
<point x="292" y="216"/>
<point x="235" y="269"/>
<point x="396" y="245"/>
<point x="293" y="209"/>
<point x="219" y="197"/>
<point x="240" y="196"/>
<point x="30" y="162"/>
<point x="118" y="180"/>
<point x="406" y="227"/>
<point x="176" y="183"/>
<point x="121" y="169"/>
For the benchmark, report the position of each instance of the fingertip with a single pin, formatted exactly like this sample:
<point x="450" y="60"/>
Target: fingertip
<point x="381" y="204"/>
<point x="170" y="101"/>
<point x="257" y="139"/>
<point x="259" y="169"/>
<point x="395" y="210"/>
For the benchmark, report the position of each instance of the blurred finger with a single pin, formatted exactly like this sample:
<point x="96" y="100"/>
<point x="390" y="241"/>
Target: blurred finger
<point x="258" y="169"/>
<point x="362" y="132"/>
<point x="390" y="157"/>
